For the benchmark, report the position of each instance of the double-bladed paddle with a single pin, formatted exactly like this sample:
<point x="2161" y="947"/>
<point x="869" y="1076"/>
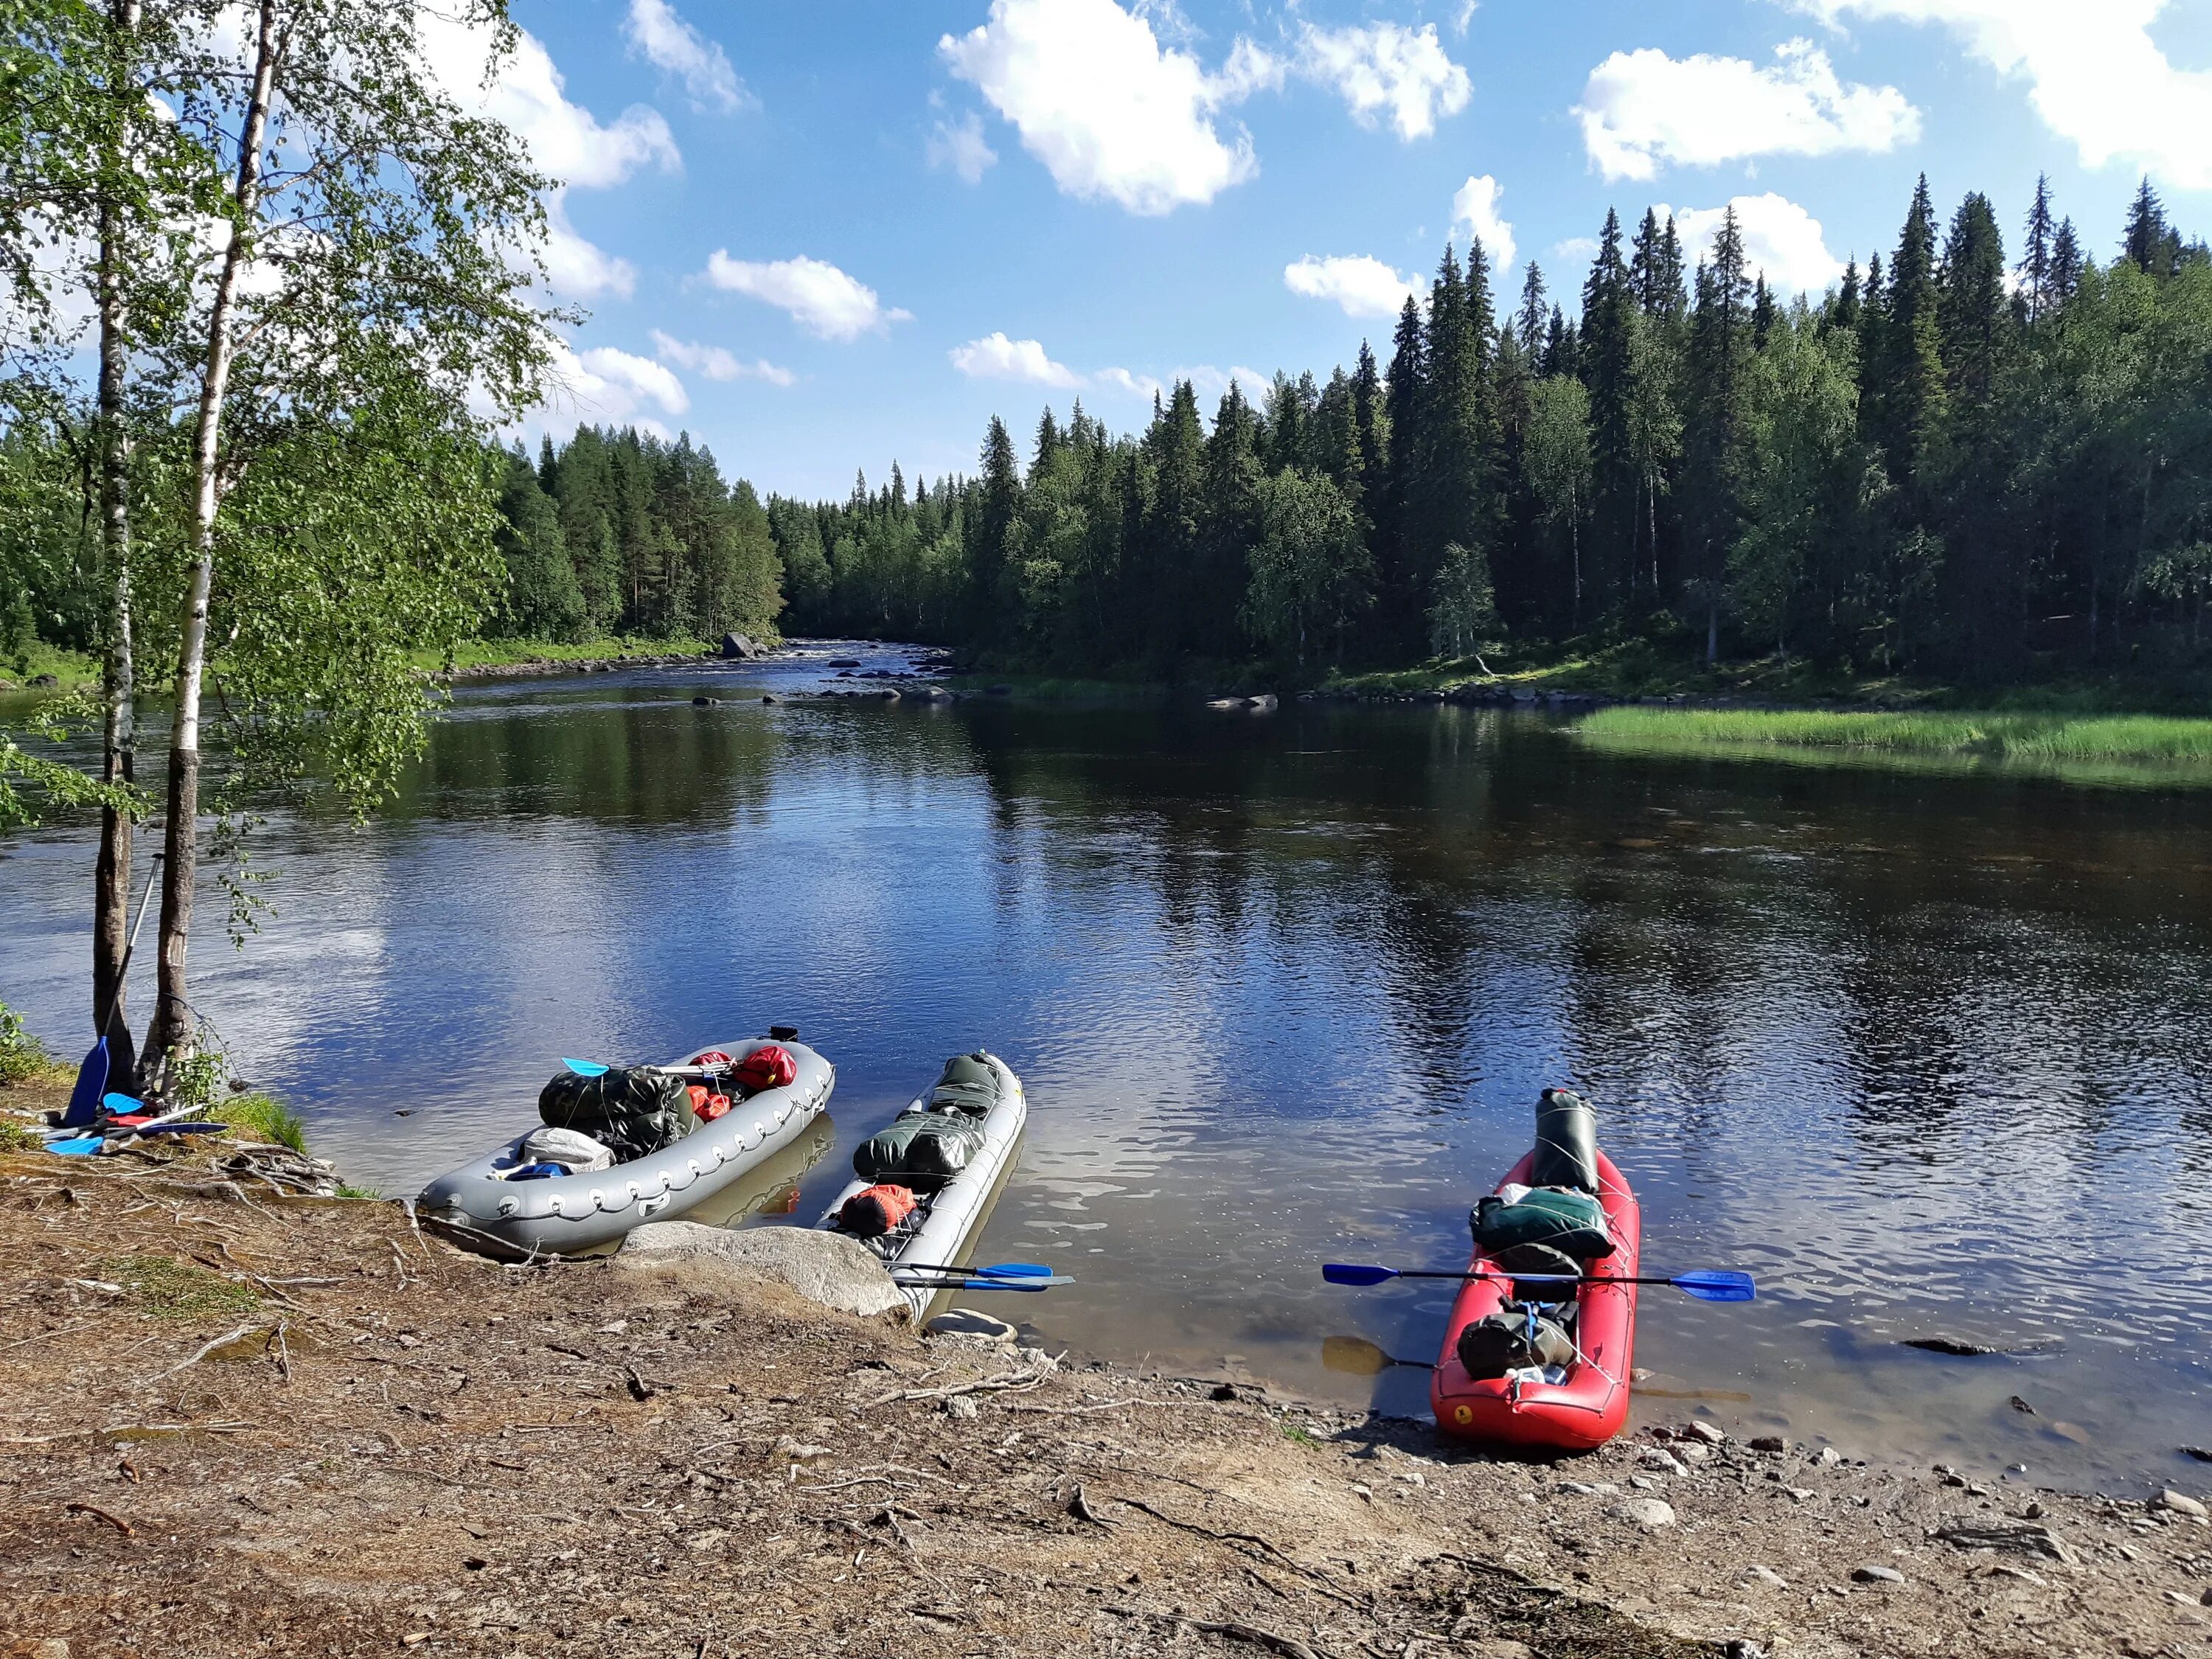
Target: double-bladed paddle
<point x="1707" y="1285"/>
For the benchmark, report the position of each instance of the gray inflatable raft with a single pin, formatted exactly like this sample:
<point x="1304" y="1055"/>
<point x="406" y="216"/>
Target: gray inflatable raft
<point x="952" y="1212"/>
<point x="479" y="1205"/>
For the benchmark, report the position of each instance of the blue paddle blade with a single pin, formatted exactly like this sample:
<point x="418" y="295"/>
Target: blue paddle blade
<point x="1717" y="1285"/>
<point x="1014" y="1270"/>
<point x="85" y="1146"/>
<point x="586" y="1067"/>
<point x="122" y="1105"/>
<point x="1345" y="1272"/>
<point x="91" y="1084"/>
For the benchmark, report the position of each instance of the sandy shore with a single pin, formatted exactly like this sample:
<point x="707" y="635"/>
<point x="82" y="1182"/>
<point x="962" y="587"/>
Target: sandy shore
<point x="235" y="1424"/>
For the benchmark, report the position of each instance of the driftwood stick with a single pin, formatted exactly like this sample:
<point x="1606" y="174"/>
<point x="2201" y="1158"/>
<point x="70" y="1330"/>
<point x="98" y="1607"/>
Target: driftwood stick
<point x="1320" y="1580"/>
<point x="100" y="1513"/>
<point x="227" y="1336"/>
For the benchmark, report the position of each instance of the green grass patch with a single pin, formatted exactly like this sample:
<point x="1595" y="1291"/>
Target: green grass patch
<point x="347" y="1189"/>
<point x="170" y="1289"/>
<point x="1299" y="1435"/>
<point x="265" y="1117"/>
<point x="17" y="1136"/>
<point x="2142" y="738"/>
<point x="23" y="1058"/>
<point x="500" y="654"/>
<point x="71" y="670"/>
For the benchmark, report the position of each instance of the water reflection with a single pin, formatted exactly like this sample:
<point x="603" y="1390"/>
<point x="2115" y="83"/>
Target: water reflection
<point x="1922" y="1051"/>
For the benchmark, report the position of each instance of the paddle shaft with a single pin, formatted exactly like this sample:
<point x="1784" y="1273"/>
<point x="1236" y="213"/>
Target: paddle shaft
<point x="1533" y="1278"/>
<point x="130" y="945"/>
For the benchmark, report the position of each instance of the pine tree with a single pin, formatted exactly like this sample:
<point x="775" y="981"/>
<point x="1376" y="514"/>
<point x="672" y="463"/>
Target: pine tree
<point x="1048" y="443"/>
<point x="1762" y="314"/>
<point x="1558" y="346"/>
<point x="2035" y="260"/>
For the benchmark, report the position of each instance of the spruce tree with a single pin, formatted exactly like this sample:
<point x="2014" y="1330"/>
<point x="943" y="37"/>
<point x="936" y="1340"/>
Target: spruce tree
<point x="1913" y="386"/>
<point x="1606" y="359"/>
<point x="1405" y="403"/>
<point x="1842" y="311"/>
<point x="1370" y="430"/>
<point x="1717" y="427"/>
<point x="2066" y="262"/>
<point x="2148" y="245"/>
<point x="1974" y="310"/>
<point x="990" y="557"/>
<point x="1534" y="311"/>
<point x="1762" y="312"/>
<point x="2035" y="260"/>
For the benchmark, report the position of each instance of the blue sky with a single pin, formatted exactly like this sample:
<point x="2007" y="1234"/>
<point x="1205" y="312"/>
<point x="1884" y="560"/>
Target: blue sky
<point x="823" y="237"/>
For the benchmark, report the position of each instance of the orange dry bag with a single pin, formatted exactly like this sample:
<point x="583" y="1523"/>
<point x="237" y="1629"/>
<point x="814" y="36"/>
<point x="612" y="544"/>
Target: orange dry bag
<point x="875" y="1211"/>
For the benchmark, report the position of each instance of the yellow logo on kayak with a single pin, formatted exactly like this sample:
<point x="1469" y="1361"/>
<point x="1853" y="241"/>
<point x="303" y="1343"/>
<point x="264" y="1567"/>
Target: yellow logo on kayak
<point x="1463" y="1414"/>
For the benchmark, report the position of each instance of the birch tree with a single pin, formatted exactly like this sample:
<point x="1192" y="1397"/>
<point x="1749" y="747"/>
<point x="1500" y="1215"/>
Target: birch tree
<point x="367" y="296"/>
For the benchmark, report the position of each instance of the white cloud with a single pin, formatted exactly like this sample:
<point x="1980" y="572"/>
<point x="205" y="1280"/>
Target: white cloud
<point x="2094" y="74"/>
<point x="1576" y="247"/>
<point x="1476" y="206"/>
<point x="565" y="140"/>
<point x="1780" y="237"/>
<point x="1110" y="114"/>
<point x="960" y="145"/>
<point x="1210" y="383"/>
<point x="821" y="299"/>
<point x="669" y="43"/>
<point x="576" y="269"/>
<point x="1643" y="108"/>
<point x="1386" y="68"/>
<point x="994" y="357"/>
<point x="605" y="384"/>
<point x="1362" y="284"/>
<point x="1137" y="386"/>
<point x="717" y="364"/>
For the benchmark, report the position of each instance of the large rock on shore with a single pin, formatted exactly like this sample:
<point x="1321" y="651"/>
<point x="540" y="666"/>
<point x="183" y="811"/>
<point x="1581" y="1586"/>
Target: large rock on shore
<point x="830" y="1268"/>
<point x="739" y="647"/>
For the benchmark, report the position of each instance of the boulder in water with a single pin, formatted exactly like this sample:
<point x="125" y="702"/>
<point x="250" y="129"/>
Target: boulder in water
<point x="738" y="648"/>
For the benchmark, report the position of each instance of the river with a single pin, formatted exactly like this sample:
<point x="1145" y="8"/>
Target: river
<point x="1926" y="1053"/>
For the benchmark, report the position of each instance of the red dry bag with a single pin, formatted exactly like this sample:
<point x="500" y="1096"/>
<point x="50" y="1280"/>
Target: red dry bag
<point x="769" y="1066"/>
<point x="875" y="1211"/>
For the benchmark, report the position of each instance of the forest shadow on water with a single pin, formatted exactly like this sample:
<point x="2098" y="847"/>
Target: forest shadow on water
<point x="1922" y="1051"/>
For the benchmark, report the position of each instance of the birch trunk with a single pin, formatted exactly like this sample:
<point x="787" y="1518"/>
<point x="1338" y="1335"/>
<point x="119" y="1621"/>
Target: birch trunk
<point x="112" y="875"/>
<point x="172" y="1030"/>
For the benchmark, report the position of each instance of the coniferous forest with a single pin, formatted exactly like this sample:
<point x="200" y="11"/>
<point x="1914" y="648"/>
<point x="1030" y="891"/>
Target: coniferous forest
<point x="1965" y="460"/>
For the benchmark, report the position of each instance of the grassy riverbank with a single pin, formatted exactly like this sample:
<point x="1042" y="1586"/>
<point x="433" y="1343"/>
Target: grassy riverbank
<point x="1639" y="667"/>
<point x="479" y="654"/>
<point x="2150" y="739"/>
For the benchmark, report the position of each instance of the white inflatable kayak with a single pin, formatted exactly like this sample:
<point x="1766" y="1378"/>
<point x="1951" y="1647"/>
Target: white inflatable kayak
<point x="482" y="1205"/>
<point x="949" y="1209"/>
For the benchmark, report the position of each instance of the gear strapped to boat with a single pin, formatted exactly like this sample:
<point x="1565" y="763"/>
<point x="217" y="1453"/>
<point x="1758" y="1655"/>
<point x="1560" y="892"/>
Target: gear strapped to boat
<point x="875" y="1210"/>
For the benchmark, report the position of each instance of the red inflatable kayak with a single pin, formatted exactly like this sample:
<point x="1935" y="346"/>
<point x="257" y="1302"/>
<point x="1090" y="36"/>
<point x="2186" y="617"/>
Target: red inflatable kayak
<point x="1589" y="1406"/>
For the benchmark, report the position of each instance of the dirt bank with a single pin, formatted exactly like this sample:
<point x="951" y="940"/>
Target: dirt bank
<point x="235" y="1424"/>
